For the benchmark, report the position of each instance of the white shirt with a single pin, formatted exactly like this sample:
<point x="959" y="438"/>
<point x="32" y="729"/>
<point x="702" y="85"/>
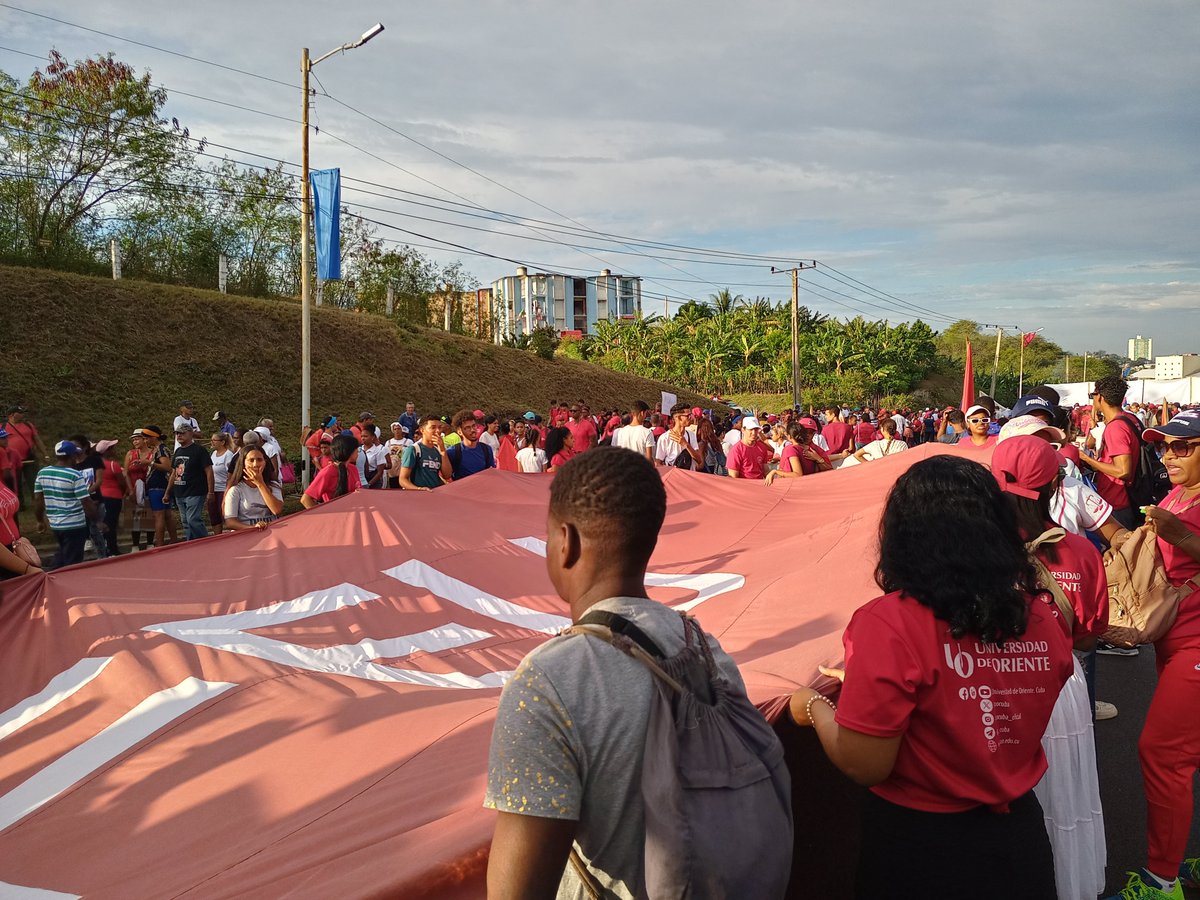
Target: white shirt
<point x="634" y="437"/>
<point x="732" y="436"/>
<point x="220" y="467"/>
<point x="491" y="440"/>
<point x="668" y="448"/>
<point x="376" y="455"/>
<point x="1078" y="508"/>
<point x="819" y="441"/>
<point x="531" y="461"/>
<point x="901" y="423"/>
<point x="881" y="448"/>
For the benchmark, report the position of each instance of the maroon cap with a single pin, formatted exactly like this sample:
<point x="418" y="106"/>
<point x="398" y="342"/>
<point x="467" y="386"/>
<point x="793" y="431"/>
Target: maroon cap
<point x="1023" y="465"/>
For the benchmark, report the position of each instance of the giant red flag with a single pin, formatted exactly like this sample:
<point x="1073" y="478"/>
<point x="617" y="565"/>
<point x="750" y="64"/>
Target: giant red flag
<point x="305" y="710"/>
<point x="968" y="392"/>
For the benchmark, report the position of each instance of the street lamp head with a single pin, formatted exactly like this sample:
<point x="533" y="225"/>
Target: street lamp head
<point x="369" y="33"/>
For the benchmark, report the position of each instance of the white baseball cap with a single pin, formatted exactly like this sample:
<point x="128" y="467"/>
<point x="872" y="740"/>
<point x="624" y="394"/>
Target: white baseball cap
<point x="750" y="422"/>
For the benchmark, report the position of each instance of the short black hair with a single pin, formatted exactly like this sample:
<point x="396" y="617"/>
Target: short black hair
<point x="639" y="406"/>
<point x="1112" y="388"/>
<point x="680" y="408"/>
<point x="615" y="498"/>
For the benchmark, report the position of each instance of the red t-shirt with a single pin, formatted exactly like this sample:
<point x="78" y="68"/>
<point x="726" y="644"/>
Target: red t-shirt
<point x="585" y="434"/>
<point x="1080" y="572"/>
<point x="110" y="485"/>
<point x="20" y="440"/>
<point x="865" y="432"/>
<point x="561" y="458"/>
<point x="313" y="443"/>
<point x="1119" y="440"/>
<point x="324" y="483"/>
<point x="965" y="441"/>
<point x="972" y="714"/>
<point x="749" y="460"/>
<point x="807" y="466"/>
<point x="837" y="435"/>
<point x="1180" y="567"/>
<point x="9" y="531"/>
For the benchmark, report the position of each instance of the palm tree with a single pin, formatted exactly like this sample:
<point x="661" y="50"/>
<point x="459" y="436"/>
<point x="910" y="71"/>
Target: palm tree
<point x="723" y="301"/>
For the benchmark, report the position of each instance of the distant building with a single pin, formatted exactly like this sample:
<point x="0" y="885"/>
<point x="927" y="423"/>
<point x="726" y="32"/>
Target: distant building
<point x="1169" y="368"/>
<point x="530" y="300"/>
<point x="1141" y="348"/>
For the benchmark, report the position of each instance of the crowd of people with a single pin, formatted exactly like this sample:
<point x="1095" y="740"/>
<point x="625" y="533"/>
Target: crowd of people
<point x="968" y="700"/>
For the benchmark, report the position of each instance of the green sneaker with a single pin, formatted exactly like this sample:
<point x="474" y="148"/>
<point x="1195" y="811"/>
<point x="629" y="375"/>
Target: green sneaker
<point x="1189" y="872"/>
<point x="1137" y="889"/>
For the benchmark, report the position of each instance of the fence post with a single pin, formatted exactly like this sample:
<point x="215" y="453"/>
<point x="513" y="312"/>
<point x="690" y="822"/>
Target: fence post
<point x="223" y="273"/>
<point x="391" y="298"/>
<point x="320" y="291"/>
<point x="115" y="250"/>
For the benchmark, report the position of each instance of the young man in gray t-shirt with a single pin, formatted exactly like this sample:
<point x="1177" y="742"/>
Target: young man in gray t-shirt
<point x="565" y="766"/>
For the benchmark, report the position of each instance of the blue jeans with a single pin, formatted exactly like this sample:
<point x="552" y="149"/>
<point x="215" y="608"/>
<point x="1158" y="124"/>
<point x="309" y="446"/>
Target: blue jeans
<point x="190" y="515"/>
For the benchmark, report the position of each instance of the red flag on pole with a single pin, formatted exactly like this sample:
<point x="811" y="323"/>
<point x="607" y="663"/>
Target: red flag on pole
<point x="1027" y="339"/>
<point x="968" y="393"/>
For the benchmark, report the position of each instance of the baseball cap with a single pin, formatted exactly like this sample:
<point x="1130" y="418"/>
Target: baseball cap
<point x="974" y="409"/>
<point x="329" y="420"/>
<point x="218" y="415"/>
<point x="365" y="415"/>
<point x="104" y="446"/>
<point x="696" y="411"/>
<point x="1185" y="425"/>
<point x="185" y="428"/>
<point x="395" y="425"/>
<point x="65" y="448"/>
<point x="529" y="416"/>
<point x="263" y="432"/>
<point x="808" y="422"/>
<point x="18" y="408"/>
<point x="1024" y="465"/>
<point x="772" y="418"/>
<point x="1029" y="425"/>
<point x="750" y="422"/>
<point x="186" y="403"/>
<point x="478" y="414"/>
<point x="3" y="434"/>
<point x="1032" y="403"/>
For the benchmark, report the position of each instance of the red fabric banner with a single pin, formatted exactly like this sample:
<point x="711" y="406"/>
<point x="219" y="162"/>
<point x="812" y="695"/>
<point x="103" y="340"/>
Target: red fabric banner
<point x="1027" y="339"/>
<point x="305" y="710"/>
<point x="968" y="391"/>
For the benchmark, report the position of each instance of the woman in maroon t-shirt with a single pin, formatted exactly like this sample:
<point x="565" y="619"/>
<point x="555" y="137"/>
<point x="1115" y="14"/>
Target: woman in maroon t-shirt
<point x="950" y="680"/>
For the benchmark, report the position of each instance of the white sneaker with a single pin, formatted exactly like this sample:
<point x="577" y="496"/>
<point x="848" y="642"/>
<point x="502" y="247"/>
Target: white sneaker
<point x="1105" y="711"/>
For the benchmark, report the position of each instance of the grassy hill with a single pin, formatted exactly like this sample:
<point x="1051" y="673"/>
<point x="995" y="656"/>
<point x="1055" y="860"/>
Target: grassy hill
<point x="102" y="356"/>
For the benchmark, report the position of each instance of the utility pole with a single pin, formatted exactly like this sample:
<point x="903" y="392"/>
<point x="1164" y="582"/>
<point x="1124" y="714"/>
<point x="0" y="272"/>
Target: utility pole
<point x="1067" y="370"/>
<point x="996" y="361"/>
<point x="795" y="273"/>
<point x="1085" y="367"/>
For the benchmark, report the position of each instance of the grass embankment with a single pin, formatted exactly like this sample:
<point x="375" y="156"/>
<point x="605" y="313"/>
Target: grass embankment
<point x="102" y="356"/>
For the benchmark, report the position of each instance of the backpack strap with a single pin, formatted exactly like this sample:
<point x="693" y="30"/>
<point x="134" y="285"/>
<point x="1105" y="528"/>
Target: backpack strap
<point x="629" y="640"/>
<point x="1046" y="578"/>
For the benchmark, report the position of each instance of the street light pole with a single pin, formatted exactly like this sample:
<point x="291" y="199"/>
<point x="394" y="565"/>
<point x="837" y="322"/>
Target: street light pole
<point x="306" y="66"/>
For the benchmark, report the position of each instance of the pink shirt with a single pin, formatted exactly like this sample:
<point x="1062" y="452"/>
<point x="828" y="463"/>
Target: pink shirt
<point x="585" y="434"/>
<point x="749" y="460"/>
<point x="324" y="483"/>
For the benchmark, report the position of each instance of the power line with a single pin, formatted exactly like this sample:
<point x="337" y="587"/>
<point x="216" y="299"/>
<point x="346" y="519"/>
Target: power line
<point x="117" y="37"/>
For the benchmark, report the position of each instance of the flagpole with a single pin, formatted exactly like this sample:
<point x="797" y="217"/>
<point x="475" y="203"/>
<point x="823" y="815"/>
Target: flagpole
<point x="1021" y="376"/>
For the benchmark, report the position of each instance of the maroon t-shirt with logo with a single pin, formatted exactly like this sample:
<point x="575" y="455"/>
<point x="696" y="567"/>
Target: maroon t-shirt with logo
<point x="837" y="435"/>
<point x="972" y="714"/>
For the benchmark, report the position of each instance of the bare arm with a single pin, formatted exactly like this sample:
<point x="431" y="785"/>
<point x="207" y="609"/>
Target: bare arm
<point x="39" y="512"/>
<point x="10" y="562"/>
<point x="1123" y="466"/>
<point x="274" y="504"/>
<point x="528" y="856"/>
<point x="862" y="758"/>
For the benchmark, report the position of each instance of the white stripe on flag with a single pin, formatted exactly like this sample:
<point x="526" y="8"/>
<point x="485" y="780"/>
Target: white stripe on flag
<point x="60" y="688"/>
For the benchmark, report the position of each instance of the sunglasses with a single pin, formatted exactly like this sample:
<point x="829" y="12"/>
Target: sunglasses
<point x="980" y="421"/>
<point x="1179" y="449"/>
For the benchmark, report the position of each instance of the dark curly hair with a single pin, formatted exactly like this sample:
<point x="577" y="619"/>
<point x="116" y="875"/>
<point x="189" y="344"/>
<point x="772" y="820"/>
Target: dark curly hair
<point x="615" y="497"/>
<point x="556" y="439"/>
<point x="949" y="540"/>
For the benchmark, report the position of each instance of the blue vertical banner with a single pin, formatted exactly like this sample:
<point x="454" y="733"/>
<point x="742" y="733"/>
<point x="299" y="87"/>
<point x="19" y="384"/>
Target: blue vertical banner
<point x="327" y="203"/>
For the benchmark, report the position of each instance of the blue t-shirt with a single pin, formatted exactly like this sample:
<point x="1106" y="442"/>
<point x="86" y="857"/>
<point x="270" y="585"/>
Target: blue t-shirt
<point x="466" y="460"/>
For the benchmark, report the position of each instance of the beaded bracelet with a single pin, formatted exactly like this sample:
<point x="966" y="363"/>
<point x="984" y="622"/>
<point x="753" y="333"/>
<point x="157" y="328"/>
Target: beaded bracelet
<point x="813" y="699"/>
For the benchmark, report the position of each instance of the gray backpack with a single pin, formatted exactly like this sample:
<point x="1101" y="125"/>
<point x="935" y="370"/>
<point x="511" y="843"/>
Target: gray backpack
<point x="716" y="791"/>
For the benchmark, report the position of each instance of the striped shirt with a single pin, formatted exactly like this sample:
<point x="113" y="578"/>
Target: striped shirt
<point x="63" y="489"/>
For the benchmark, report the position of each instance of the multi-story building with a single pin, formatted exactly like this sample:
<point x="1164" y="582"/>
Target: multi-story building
<point x="530" y="300"/>
<point x="1141" y="348"/>
<point x="1169" y="368"/>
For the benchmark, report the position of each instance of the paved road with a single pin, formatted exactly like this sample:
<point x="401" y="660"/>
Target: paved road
<point x="1128" y="682"/>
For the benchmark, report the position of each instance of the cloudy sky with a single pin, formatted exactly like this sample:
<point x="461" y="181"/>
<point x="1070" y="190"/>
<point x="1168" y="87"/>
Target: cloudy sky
<point x="1025" y="164"/>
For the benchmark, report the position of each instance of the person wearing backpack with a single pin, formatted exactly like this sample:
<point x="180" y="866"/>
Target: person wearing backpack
<point x="950" y="680"/>
<point x="1169" y="747"/>
<point x="469" y="455"/>
<point x="1116" y="466"/>
<point x="586" y="726"/>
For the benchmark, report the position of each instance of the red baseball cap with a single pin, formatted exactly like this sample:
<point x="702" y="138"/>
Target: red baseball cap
<point x="1023" y="465"/>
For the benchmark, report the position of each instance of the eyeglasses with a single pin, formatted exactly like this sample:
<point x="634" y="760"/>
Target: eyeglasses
<point x="978" y="421"/>
<point x="1179" y="449"/>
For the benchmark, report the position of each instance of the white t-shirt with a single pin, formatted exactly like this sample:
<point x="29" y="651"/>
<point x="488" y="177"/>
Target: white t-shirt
<point x="1078" y="508"/>
<point x="220" y="466"/>
<point x="668" y="448"/>
<point x="531" y="461"/>
<point x="732" y="436"/>
<point x="377" y="456"/>
<point x="819" y="441"/>
<point x="881" y="448"/>
<point x="245" y="503"/>
<point x="634" y="437"/>
<point x="901" y="423"/>
<point x="491" y="440"/>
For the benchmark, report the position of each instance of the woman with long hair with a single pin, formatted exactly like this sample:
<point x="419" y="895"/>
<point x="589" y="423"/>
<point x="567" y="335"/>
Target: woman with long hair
<point x="253" y="493"/>
<point x="137" y="469"/>
<point x="950" y="679"/>
<point x="531" y="458"/>
<point x="337" y="479"/>
<point x="560" y="447"/>
<point x="885" y="445"/>
<point x="1027" y="470"/>
<point x="710" y="446"/>
<point x="801" y="456"/>
<point x="223" y="459"/>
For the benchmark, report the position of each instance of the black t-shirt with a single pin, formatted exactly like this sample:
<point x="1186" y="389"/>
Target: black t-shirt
<point x="95" y="463"/>
<point x="156" y="479"/>
<point x="189" y="463"/>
